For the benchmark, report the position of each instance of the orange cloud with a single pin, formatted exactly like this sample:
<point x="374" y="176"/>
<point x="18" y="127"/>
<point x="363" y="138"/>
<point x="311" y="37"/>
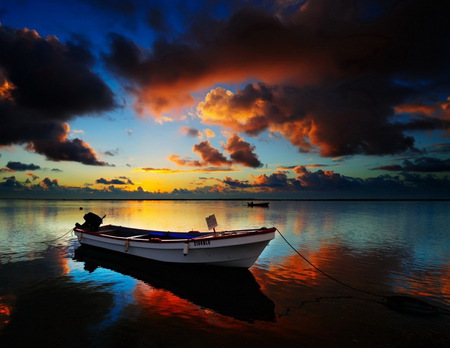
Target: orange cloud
<point x="311" y="119"/>
<point x="241" y="152"/>
<point x="210" y="155"/>
<point x="32" y="176"/>
<point x="274" y="52"/>
<point x="218" y="108"/>
<point x="156" y="170"/>
<point x="6" y="87"/>
<point x="47" y="183"/>
<point x="195" y="133"/>
<point x="328" y="78"/>
<point x="439" y="108"/>
<point x="183" y="162"/>
<point x="319" y="178"/>
<point x="273" y="182"/>
<point x="301" y="133"/>
<point x="257" y="108"/>
<point x="174" y="171"/>
<point x="209" y="133"/>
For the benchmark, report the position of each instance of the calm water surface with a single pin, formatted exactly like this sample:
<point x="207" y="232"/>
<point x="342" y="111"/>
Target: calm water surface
<point x="54" y="293"/>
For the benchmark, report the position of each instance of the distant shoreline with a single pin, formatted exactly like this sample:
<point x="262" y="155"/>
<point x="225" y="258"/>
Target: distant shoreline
<point x="243" y="199"/>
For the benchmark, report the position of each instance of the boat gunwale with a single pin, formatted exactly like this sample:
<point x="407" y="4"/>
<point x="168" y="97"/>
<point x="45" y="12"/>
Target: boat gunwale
<point x="208" y="235"/>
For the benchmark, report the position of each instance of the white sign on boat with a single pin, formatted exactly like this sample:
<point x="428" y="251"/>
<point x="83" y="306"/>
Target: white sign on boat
<point x="211" y="222"/>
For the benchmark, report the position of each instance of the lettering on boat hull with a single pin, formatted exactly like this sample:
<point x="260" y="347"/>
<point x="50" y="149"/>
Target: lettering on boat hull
<point x="201" y="242"/>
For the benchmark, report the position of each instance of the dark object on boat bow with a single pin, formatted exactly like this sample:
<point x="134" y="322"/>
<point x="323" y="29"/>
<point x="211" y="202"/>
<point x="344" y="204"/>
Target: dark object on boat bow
<point x="91" y="222"/>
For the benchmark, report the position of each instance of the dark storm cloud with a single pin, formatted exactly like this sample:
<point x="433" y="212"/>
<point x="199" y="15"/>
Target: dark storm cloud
<point x="233" y="183"/>
<point x="123" y="7"/>
<point x="276" y="181"/>
<point x="112" y="153"/>
<point x="62" y="149"/>
<point x="180" y="191"/>
<point x="119" y="181"/>
<point x="331" y="73"/>
<point x="329" y="181"/>
<point x="305" y="181"/>
<point x="43" y="84"/>
<point x="18" y="166"/>
<point x="49" y="183"/>
<point x="192" y="132"/>
<point x="32" y="176"/>
<point x="156" y="19"/>
<point x="210" y="155"/>
<point x="11" y="182"/>
<point x="427" y="182"/>
<point x="423" y="164"/>
<point x="441" y="148"/>
<point x="242" y="152"/>
<point x="334" y="118"/>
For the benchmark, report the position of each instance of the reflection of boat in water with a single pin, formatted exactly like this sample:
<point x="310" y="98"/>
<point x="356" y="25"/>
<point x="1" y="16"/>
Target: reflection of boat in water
<point x="232" y="292"/>
<point x="259" y="204"/>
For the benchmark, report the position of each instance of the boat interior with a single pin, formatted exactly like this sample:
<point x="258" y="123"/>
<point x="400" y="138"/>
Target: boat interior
<point x="126" y="232"/>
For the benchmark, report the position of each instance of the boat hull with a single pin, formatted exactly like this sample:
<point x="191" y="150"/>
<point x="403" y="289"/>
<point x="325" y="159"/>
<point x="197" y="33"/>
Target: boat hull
<point x="229" y="250"/>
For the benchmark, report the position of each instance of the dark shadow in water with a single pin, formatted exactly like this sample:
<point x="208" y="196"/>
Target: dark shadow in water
<point x="232" y="292"/>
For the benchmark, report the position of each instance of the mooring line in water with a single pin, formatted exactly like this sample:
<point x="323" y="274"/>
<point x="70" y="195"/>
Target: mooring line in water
<point x="52" y="240"/>
<point x="326" y="274"/>
<point x="401" y="303"/>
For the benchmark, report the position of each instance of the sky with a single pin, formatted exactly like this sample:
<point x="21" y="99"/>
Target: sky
<point x="270" y="99"/>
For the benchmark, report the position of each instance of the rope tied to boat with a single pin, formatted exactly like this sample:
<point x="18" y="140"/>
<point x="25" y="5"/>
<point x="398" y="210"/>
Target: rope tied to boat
<point x="53" y="240"/>
<point x="401" y="303"/>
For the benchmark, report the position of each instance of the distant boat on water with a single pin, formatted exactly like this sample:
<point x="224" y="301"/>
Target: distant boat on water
<point x="259" y="204"/>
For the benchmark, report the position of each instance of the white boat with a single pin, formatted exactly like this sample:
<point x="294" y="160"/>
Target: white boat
<point x="236" y="248"/>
